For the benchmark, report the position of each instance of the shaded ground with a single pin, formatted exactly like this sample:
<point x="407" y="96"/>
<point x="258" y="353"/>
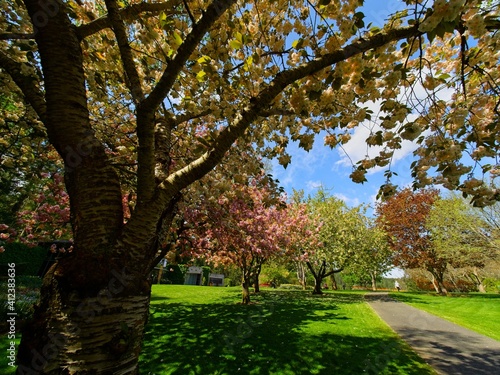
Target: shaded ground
<point x="447" y="347"/>
<point x="281" y="333"/>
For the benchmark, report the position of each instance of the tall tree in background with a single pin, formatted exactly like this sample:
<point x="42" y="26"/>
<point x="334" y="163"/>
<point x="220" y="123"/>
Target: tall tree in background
<point x="461" y="235"/>
<point x="244" y="227"/>
<point x="341" y="234"/>
<point x="144" y="98"/>
<point x="374" y="256"/>
<point x="404" y="217"/>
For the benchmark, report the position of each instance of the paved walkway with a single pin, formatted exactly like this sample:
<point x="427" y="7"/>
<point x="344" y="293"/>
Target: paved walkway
<point x="447" y="347"/>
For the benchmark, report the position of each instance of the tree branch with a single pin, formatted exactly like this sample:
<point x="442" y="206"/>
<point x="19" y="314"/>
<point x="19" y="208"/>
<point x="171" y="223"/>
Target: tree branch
<point x="210" y="16"/>
<point x="147" y="108"/>
<point x="133" y="80"/>
<point x="198" y="168"/>
<point x="27" y="84"/>
<point x="334" y="271"/>
<point x="182" y="178"/>
<point x="309" y="265"/>
<point x="12" y="36"/>
<point x="128" y="14"/>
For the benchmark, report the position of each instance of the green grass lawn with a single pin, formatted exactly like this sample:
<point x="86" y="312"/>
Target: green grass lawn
<point x="476" y="311"/>
<point x="204" y="330"/>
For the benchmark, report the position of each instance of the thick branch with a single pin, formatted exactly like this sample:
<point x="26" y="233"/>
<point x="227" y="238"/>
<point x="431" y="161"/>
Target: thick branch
<point x="128" y="14"/>
<point x="174" y="121"/>
<point x="133" y="79"/>
<point x="210" y="16"/>
<point x="27" y="84"/>
<point x="309" y="265"/>
<point x="333" y="272"/>
<point x="147" y="108"/>
<point x="257" y="105"/>
<point x="16" y="36"/>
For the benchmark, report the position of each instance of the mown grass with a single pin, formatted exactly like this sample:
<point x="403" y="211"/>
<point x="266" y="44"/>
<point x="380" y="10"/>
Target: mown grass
<point x="204" y="330"/>
<point x="476" y="311"/>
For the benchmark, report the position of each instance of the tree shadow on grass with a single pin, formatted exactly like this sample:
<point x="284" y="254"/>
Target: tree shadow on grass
<point x="281" y="333"/>
<point x="408" y="298"/>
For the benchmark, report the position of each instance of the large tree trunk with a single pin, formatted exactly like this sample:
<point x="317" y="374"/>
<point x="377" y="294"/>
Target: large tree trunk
<point x="92" y="310"/>
<point x="437" y="282"/>
<point x="95" y="334"/>
<point x="317" y="285"/>
<point x="257" y="275"/>
<point x="334" y="282"/>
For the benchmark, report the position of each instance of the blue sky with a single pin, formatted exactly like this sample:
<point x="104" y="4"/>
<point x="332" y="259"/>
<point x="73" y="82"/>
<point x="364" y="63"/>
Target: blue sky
<point x="329" y="168"/>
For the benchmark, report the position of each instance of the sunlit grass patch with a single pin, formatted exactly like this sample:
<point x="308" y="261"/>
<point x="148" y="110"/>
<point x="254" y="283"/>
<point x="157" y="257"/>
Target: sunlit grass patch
<point x="476" y="311"/>
<point x="281" y="332"/>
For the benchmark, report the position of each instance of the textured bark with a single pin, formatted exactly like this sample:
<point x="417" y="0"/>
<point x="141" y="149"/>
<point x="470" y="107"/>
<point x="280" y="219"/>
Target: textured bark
<point x="301" y="275"/>
<point x="96" y="335"/>
<point x="478" y="281"/>
<point x="245" y="292"/>
<point x="438" y="282"/>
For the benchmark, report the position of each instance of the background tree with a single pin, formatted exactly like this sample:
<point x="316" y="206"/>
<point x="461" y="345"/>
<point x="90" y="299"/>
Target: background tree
<point x="404" y="218"/>
<point x="374" y="256"/>
<point x="147" y="98"/>
<point x="340" y="237"/>
<point x="461" y="236"/>
<point x="245" y="227"/>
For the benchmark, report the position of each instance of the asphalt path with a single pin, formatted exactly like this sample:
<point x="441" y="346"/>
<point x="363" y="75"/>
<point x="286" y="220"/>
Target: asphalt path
<point x="447" y="347"/>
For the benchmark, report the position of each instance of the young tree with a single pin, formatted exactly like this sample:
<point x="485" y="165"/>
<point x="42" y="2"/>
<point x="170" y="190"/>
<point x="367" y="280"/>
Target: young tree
<point x="340" y="237"/>
<point x="245" y="227"/>
<point x="147" y="97"/>
<point x="374" y="255"/>
<point x="461" y="236"/>
<point x="404" y="218"/>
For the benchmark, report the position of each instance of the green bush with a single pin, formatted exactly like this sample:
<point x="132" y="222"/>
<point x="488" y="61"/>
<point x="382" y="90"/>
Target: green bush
<point x="28" y="260"/>
<point x="27" y="294"/>
<point x="290" y="287"/>
<point x="492" y="285"/>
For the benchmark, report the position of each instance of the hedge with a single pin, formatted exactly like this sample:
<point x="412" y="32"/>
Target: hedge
<point x="28" y="260"/>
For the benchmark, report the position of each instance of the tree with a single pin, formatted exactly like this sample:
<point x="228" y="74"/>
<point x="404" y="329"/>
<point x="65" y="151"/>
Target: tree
<point x="147" y="97"/>
<point x="303" y="232"/>
<point x="340" y="237"/>
<point x="373" y="255"/>
<point x="404" y="218"/>
<point x="461" y="236"/>
<point x="245" y="227"/>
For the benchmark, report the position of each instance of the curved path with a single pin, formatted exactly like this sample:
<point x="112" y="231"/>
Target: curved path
<point x="447" y="347"/>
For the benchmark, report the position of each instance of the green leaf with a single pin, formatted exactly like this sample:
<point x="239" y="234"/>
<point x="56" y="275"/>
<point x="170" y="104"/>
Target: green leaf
<point x="177" y="38"/>
<point x="297" y="44"/>
<point x="235" y="44"/>
<point x="204" y="59"/>
<point x="201" y="76"/>
<point x="248" y="63"/>
<point x="358" y="22"/>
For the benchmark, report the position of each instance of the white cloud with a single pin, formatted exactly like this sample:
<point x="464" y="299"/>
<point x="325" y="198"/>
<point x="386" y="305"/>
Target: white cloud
<point x="313" y="185"/>
<point x="348" y="200"/>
